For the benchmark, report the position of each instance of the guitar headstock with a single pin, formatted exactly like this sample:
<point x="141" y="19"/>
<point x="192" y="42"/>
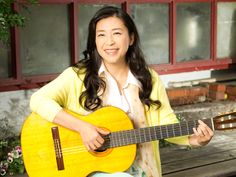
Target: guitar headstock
<point x="225" y="121"/>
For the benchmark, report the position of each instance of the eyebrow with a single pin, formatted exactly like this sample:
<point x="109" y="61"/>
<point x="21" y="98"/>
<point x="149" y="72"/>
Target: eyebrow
<point x="114" y="29"/>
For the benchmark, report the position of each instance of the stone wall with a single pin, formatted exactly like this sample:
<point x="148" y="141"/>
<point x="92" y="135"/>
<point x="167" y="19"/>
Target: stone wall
<point x="204" y="109"/>
<point x="14" y="108"/>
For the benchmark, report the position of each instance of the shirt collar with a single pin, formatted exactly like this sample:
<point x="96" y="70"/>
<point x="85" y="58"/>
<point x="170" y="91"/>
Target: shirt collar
<point x="130" y="80"/>
<point x="102" y="69"/>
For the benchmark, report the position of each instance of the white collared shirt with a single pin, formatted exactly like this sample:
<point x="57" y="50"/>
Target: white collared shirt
<point x="115" y="97"/>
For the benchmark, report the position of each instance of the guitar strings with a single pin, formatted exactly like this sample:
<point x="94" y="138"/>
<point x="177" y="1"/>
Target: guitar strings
<point x="128" y="137"/>
<point x="120" y="140"/>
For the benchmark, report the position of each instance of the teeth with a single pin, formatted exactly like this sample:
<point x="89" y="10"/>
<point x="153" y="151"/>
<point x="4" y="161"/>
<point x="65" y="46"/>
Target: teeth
<point x="111" y="51"/>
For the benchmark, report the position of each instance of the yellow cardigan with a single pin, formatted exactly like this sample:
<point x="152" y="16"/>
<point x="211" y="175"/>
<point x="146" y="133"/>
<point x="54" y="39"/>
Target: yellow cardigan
<point x="65" y="90"/>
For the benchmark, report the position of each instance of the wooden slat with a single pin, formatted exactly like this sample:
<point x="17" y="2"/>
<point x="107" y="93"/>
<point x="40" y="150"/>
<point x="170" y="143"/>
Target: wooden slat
<point x="222" y="149"/>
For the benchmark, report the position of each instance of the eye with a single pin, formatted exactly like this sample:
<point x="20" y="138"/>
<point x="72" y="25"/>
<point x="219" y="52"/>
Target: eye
<point x="100" y="35"/>
<point x="117" y="33"/>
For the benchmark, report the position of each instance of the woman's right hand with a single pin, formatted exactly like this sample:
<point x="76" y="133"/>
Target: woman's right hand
<point x="92" y="136"/>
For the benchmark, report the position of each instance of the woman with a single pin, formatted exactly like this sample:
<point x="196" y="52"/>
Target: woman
<point x="115" y="73"/>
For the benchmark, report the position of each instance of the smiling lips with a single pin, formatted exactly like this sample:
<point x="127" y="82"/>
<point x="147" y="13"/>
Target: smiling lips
<point x="111" y="51"/>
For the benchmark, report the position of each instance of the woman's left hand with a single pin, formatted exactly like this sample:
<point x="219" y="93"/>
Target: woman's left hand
<point x="202" y="135"/>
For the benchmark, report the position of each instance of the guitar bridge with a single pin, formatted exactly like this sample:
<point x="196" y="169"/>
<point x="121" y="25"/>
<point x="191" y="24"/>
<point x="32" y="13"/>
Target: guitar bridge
<point x="57" y="148"/>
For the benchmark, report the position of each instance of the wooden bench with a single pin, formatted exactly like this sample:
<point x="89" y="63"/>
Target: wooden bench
<point x="217" y="159"/>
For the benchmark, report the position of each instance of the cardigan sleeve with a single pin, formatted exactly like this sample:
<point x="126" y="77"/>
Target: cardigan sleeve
<point x="165" y="113"/>
<point x="50" y="99"/>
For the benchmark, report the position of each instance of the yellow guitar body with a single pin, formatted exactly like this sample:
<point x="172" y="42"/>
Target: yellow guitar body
<point x="39" y="152"/>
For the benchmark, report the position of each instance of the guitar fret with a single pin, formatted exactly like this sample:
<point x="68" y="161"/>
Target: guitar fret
<point x="113" y="138"/>
<point x="122" y="138"/>
<point x="173" y="129"/>
<point x="126" y="137"/>
<point x="147" y="134"/>
<point x="184" y="128"/>
<point x="117" y="138"/>
<point x="187" y="127"/>
<point x="132" y="136"/>
<point x="152" y="133"/>
<point x="180" y="129"/>
<point x="143" y="135"/>
<point x="170" y="132"/>
<point x="161" y="133"/>
<point x="191" y="125"/>
<point x="135" y="137"/>
<point x="167" y="135"/>
<point x="140" y="137"/>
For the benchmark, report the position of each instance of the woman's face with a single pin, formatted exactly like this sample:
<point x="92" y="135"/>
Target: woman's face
<point x="112" y="40"/>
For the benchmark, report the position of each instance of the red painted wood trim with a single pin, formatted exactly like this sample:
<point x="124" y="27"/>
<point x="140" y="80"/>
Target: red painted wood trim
<point x="15" y="43"/>
<point x="98" y="2"/>
<point x="172" y="33"/>
<point x="192" y="1"/>
<point x="149" y="1"/>
<point x="194" y="66"/>
<point x="125" y="7"/>
<point x="225" y="0"/>
<point x="214" y="30"/>
<point x="73" y="9"/>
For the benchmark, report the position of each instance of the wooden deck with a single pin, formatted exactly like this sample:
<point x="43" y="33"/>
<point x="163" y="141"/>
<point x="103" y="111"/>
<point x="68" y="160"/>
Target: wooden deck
<point x="217" y="159"/>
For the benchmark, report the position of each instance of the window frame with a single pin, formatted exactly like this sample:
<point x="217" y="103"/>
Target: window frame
<point x="19" y="81"/>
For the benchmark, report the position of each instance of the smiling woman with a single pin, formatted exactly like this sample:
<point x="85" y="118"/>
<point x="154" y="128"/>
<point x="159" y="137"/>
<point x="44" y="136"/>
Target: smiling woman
<point x="113" y="73"/>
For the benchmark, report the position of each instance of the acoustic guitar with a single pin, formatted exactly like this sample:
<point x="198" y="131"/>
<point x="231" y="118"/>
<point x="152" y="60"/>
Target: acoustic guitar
<point x="50" y="150"/>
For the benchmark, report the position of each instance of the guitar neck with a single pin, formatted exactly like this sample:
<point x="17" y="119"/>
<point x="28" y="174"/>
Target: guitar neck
<point x="141" y="135"/>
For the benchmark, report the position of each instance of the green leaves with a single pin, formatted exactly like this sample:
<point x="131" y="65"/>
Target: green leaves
<point x="11" y="161"/>
<point x="10" y="18"/>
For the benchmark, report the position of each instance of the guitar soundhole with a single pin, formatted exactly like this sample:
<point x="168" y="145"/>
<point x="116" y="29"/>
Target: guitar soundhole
<point x="101" y="149"/>
<point x="105" y="145"/>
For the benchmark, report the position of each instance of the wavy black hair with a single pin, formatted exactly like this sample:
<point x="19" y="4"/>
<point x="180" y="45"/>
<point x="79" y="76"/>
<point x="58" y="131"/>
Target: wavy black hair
<point x="91" y="63"/>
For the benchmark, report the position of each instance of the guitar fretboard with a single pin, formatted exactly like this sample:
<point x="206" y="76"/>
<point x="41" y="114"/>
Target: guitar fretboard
<point x="141" y="135"/>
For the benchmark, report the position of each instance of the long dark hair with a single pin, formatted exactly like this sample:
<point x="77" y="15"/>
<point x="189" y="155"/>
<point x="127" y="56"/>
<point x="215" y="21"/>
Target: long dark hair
<point x="92" y="62"/>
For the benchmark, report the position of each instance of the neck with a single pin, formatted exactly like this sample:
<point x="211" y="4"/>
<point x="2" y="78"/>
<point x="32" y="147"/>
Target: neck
<point x="117" y="69"/>
<point x="119" y="72"/>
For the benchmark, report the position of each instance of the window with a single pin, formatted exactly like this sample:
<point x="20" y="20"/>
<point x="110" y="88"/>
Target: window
<point x="193" y="31"/>
<point x="5" y="61"/>
<point x="153" y="28"/>
<point x="226" y="30"/>
<point x="176" y="36"/>
<point x="44" y="41"/>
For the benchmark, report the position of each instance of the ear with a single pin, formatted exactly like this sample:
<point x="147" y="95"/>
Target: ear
<point x="131" y="39"/>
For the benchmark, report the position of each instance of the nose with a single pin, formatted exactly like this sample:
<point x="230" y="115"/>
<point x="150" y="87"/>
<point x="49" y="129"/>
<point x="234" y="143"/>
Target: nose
<point x="110" y="40"/>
